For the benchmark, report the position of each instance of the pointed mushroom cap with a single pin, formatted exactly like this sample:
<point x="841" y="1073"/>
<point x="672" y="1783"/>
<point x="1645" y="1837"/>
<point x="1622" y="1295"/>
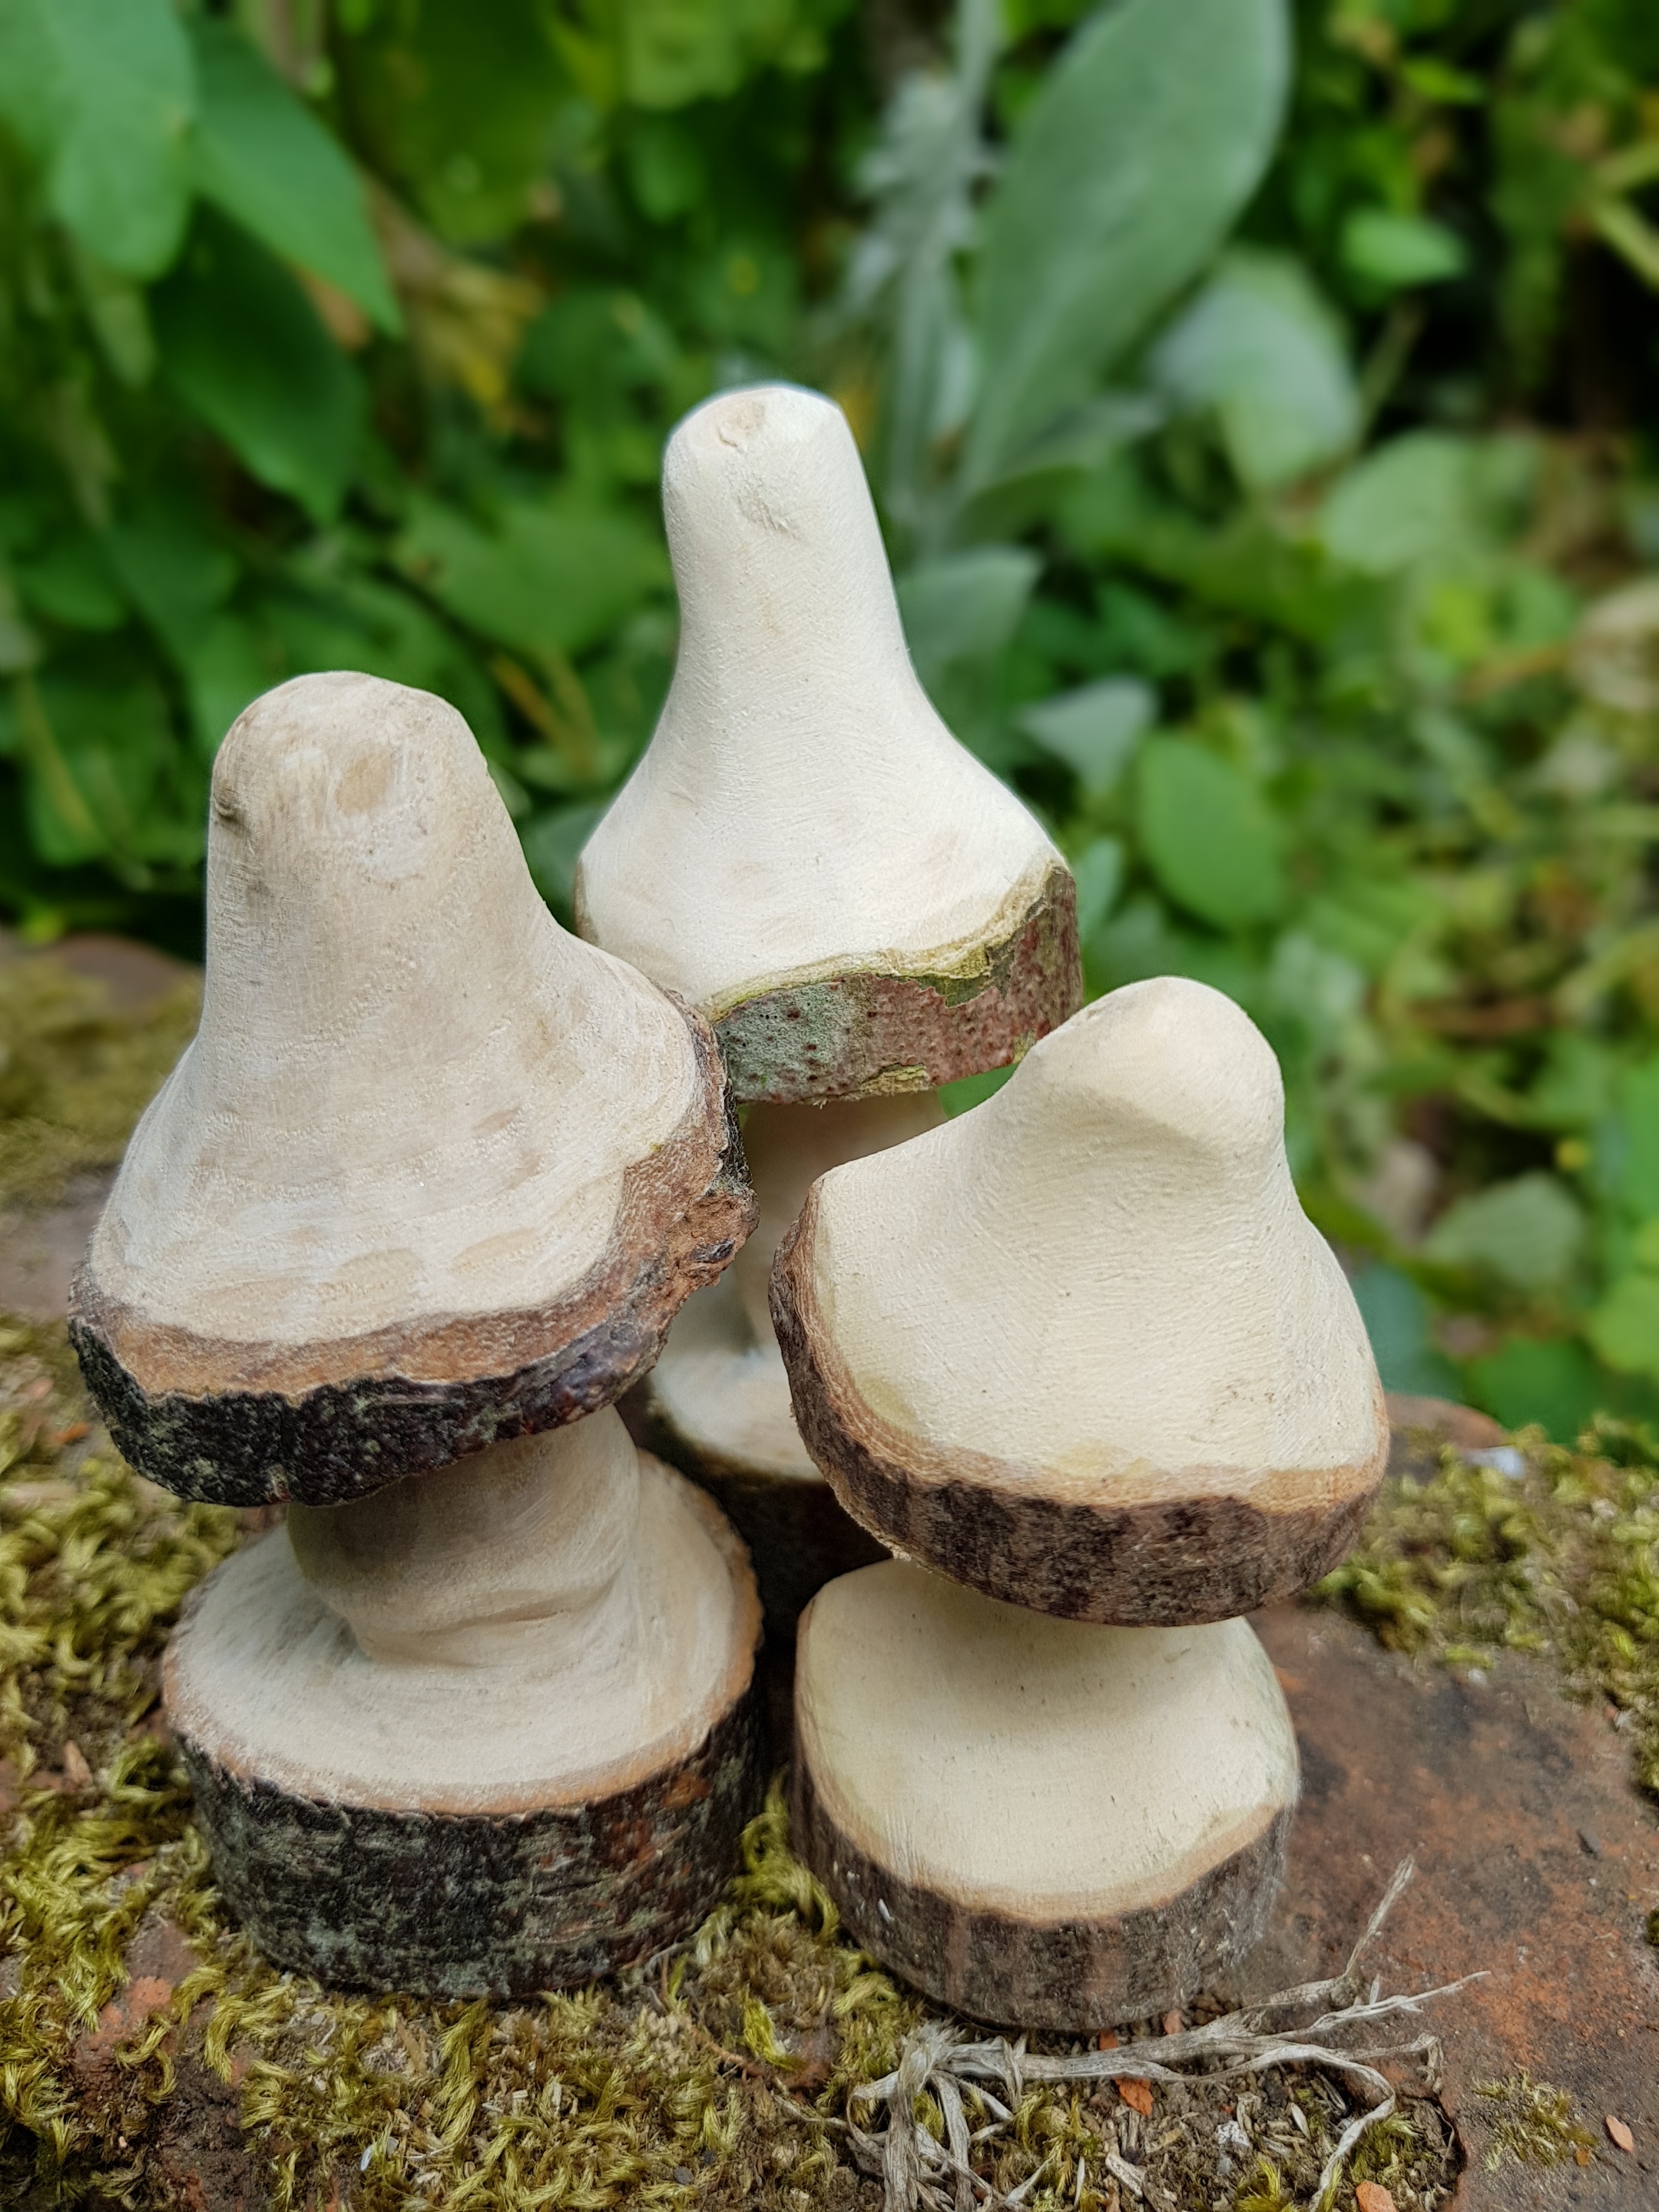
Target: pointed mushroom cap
<point x="1081" y="1347"/>
<point x="804" y="852"/>
<point x="432" y="1171"/>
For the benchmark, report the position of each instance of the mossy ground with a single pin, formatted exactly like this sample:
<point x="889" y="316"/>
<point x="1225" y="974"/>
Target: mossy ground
<point x="148" y="2058"/>
<point x="716" y="2076"/>
<point x="1461" y="1562"/>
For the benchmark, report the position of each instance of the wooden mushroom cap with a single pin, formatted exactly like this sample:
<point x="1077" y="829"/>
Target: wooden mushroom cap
<point x="1037" y="1821"/>
<point x="522" y="1761"/>
<point x="716" y="1404"/>
<point x="1080" y="1347"/>
<point x="433" y="1172"/>
<point x="804" y="852"/>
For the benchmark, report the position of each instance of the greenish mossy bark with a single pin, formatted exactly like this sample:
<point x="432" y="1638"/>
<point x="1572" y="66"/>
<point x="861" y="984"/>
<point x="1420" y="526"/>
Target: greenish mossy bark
<point x="868" y="1034"/>
<point x="454" y="1905"/>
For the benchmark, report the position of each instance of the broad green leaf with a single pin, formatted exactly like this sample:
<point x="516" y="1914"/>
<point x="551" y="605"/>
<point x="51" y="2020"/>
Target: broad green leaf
<point x="971" y="1091"/>
<point x="1261" y="348"/>
<point x="72" y="582"/>
<point x="1415" y="496"/>
<point x="1396" y="1318"/>
<point x="1639" y="1107"/>
<point x="174" y="571"/>
<point x="1553" y="1382"/>
<point x="104" y="92"/>
<point x="964" y="606"/>
<point x="1098" y="869"/>
<point x="265" y="159"/>
<point x="33" y="89"/>
<point x="552" y="842"/>
<point x="104" y="775"/>
<point x="1147" y="137"/>
<point x="227" y="665"/>
<point x="1095" y="729"/>
<point x="551" y="576"/>
<point x="1208" y="834"/>
<point x="1393" y="250"/>
<point x="458" y="104"/>
<point x="1624" y="1328"/>
<point x="1529" y="1231"/>
<point x="244" y="347"/>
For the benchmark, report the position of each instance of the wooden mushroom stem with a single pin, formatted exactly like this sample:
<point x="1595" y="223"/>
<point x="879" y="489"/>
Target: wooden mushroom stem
<point x="717" y="1402"/>
<point x="493" y="1731"/>
<point x="514" y="1557"/>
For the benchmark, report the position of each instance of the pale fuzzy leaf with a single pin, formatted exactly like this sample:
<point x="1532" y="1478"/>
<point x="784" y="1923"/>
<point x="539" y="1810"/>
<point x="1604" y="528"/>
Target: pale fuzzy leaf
<point x="1124" y="173"/>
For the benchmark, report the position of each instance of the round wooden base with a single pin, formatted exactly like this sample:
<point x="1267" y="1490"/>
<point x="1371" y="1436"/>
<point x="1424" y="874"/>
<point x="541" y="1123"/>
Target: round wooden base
<point x="473" y="1831"/>
<point x="1040" y="1823"/>
<point x="716" y="1406"/>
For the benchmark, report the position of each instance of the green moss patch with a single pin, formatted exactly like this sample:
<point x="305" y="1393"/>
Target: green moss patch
<point x="1462" y="1561"/>
<point x="76" y="1073"/>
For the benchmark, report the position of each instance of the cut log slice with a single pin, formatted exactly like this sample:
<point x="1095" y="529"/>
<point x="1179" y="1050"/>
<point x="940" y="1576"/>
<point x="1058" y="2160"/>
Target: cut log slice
<point x="804" y="853"/>
<point x="433" y="1173"/>
<point x="716" y="1404"/>
<point x="486" y="1806"/>
<point x="1040" y="1823"/>
<point x="1080" y="1347"/>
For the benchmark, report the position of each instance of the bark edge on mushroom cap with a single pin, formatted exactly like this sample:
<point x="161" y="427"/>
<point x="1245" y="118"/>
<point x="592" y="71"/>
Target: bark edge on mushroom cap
<point x="982" y="1521"/>
<point x="869" y="1032"/>
<point x="233" y="1424"/>
<point x="1066" y="1975"/>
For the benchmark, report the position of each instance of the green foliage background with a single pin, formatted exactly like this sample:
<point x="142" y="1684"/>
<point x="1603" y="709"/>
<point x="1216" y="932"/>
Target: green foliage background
<point x="1260" y="402"/>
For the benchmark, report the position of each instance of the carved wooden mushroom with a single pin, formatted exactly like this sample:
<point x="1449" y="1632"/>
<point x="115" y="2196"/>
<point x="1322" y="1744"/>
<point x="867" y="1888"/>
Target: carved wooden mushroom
<point x="806" y="855"/>
<point x="433" y="1173"/>
<point x="1081" y="1348"/>
<point x="1038" y="1822"/>
<point x="431" y="1180"/>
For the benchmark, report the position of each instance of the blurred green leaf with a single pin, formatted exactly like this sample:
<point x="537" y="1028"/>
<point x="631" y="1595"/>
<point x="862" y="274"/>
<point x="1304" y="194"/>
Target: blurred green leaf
<point x="548" y="576"/>
<point x="965" y="607"/>
<point x="552" y="843"/>
<point x="1415" y="496"/>
<point x="458" y="105"/>
<point x="1624" y="1326"/>
<point x="1639" y="1107"/>
<point x="1095" y="729"/>
<point x="72" y="582"/>
<point x="175" y="572"/>
<point x="1394" y="251"/>
<point x="1529" y="1231"/>
<point x="1396" y="1317"/>
<point x="265" y="159"/>
<point x="106" y="95"/>
<point x="1261" y="348"/>
<point x="1147" y="137"/>
<point x="244" y="346"/>
<point x="1553" y="1382"/>
<point x="1098" y="869"/>
<point x="103" y="774"/>
<point x="1209" y="836"/>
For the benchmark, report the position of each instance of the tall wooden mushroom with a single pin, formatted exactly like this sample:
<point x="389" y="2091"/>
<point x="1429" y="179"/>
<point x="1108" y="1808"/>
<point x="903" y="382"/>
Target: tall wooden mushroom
<point x="806" y="855"/>
<point x="1081" y="1352"/>
<point x="429" y="1186"/>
